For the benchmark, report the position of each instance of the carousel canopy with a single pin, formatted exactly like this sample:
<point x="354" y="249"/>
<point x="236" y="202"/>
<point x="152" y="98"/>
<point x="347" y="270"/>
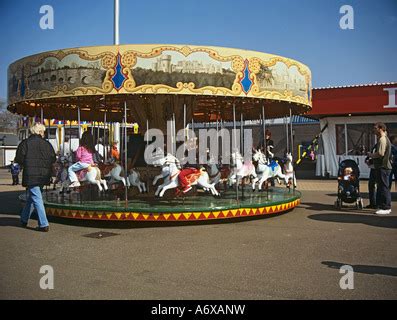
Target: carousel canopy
<point x="155" y="82"/>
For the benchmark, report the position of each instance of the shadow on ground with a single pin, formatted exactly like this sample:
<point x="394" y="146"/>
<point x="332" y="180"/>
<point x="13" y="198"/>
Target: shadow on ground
<point x="371" y="220"/>
<point x="379" y="270"/>
<point x="330" y="207"/>
<point x="10" y="203"/>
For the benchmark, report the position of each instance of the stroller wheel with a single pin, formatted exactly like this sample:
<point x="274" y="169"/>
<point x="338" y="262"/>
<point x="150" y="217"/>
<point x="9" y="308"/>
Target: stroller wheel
<point x="338" y="204"/>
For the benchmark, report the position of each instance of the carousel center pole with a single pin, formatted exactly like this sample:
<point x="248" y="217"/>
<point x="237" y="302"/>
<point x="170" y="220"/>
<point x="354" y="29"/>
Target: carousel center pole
<point x="116" y="22"/>
<point x="116" y="125"/>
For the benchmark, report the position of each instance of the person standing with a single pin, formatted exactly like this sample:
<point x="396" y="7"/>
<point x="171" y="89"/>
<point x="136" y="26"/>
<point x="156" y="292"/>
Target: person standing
<point x="382" y="164"/>
<point x="15" y="169"/>
<point x="36" y="156"/>
<point x="115" y="154"/>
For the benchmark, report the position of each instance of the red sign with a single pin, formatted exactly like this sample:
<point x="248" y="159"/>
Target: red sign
<point x="354" y="100"/>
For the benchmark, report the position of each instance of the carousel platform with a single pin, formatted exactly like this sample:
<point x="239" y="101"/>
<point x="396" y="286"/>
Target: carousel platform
<point x="198" y="206"/>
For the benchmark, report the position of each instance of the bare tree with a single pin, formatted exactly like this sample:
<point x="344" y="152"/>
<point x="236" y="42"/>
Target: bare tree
<point x="8" y="120"/>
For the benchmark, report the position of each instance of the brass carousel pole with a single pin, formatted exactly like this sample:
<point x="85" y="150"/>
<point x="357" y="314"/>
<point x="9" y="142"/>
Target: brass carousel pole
<point x="235" y="147"/>
<point x="104" y="139"/>
<point x="125" y="153"/>
<point x="286" y="132"/>
<point x="242" y="150"/>
<point x="147" y="145"/>
<point x="292" y="151"/>
<point x="78" y="121"/>
<point x="265" y="144"/>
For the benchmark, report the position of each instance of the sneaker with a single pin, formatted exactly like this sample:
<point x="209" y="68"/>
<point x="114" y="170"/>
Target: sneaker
<point x="383" y="211"/>
<point x="187" y="189"/>
<point x="43" y="229"/>
<point x="74" y="184"/>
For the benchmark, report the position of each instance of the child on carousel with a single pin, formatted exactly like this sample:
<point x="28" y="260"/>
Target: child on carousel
<point x="84" y="158"/>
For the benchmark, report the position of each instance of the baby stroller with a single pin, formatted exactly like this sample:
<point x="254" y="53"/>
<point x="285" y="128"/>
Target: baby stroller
<point x="349" y="184"/>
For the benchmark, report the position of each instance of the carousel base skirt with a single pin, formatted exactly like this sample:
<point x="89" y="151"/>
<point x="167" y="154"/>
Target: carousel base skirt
<point x="198" y="206"/>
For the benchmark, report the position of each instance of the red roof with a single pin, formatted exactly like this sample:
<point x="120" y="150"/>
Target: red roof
<point x="354" y="100"/>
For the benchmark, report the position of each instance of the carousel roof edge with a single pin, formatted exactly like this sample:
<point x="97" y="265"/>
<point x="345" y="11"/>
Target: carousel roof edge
<point x="159" y="45"/>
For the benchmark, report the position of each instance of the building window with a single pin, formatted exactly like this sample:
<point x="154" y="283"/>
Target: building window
<point x="72" y="133"/>
<point x="357" y="139"/>
<point x="340" y="139"/>
<point x="51" y="133"/>
<point x="360" y="139"/>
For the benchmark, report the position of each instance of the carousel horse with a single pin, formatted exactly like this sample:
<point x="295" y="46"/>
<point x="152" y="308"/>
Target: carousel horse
<point x="60" y="170"/>
<point x="135" y="181"/>
<point x="91" y="175"/>
<point x="165" y="170"/>
<point x="241" y="170"/>
<point x="215" y="173"/>
<point x="200" y="178"/>
<point x="289" y="175"/>
<point x="115" y="172"/>
<point x="266" y="169"/>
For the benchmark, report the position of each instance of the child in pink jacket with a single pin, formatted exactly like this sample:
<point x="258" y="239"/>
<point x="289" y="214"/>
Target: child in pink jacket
<point x="84" y="158"/>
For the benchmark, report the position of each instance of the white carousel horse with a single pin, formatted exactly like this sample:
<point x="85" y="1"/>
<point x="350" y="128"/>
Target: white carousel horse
<point x="172" y="181"/>
<point x="217" y="174"/>
<point x="165" y="170"/>
<point x="241" y="170"/>
<point x="135" y="181"/>
<point x="92" y="175"/>
<point x="289" y="174"/>
<point x="265" y="169"/>
<point x="115" y="174"/>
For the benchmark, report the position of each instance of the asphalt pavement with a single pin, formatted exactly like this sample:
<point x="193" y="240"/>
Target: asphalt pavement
<point x="296" y="255"/>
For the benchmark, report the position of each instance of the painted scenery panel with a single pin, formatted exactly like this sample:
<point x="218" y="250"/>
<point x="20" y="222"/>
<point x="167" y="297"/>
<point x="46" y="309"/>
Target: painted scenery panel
<point x="68" y="73"/>
<point x="280" y="78"/>
<point x="172" y="67"/>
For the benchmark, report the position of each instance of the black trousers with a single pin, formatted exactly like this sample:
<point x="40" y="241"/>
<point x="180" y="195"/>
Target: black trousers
<point x="15" y="179"/>
<point x="393" y="173"/>
<point x="382" y="182"/>
<point x="373" y="195"/>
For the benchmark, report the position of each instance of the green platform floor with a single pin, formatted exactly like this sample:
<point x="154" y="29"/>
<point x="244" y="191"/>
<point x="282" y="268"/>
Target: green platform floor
<point x="192" y="202"/>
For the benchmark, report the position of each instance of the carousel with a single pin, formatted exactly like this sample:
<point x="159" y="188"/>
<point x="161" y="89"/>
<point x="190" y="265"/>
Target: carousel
<point x="170" y="89"/>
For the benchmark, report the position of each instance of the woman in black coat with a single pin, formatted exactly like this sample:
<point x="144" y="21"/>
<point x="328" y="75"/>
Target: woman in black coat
<point x="36" y="156"/>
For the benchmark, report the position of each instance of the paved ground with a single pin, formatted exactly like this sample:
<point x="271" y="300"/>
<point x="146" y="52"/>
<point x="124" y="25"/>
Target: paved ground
<point x="293" y="256"/>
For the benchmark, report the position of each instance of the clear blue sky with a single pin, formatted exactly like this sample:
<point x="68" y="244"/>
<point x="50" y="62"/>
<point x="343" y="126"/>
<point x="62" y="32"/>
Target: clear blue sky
<point x="306" y="30"/>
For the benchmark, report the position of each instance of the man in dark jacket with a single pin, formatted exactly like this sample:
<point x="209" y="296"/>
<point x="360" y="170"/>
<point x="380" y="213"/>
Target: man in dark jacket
<point x="36" y="156"/>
